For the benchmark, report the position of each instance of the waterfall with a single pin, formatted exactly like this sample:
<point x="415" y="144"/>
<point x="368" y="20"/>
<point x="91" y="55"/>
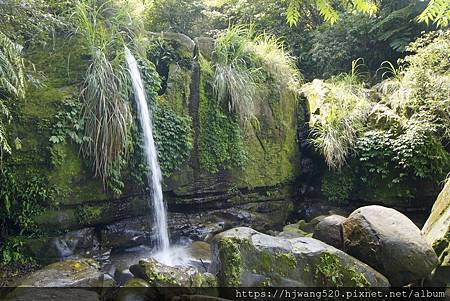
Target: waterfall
<point x="155" y="178"/>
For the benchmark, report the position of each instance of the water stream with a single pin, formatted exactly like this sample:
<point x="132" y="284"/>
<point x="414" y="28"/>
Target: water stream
<point x="164" y="253"/>
<point x="155" y="177"/>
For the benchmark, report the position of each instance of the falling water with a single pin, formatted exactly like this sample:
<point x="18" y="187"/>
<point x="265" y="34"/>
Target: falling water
<point x="155" y="179"/>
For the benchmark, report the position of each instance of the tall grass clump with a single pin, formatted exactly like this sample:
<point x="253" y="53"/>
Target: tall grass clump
<point x="245" y="65"/>
<point x="339" y="110"/>
<point x="105" y="91"/>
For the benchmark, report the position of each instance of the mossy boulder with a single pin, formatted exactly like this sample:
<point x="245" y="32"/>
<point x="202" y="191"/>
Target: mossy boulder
<point x="200" y="250"/>
<point x="245" y="257"/>
<point x="437" y="228"/>
<point x="294" y="231"/>
<point x="437" y="233"/>
<point x="160" y="275"/>
<point x="389" y="242"/>
<point x="70" y="273"/>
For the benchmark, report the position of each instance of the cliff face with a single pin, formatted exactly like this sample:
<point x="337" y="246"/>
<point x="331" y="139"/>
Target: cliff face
<point x="257" y="191"/>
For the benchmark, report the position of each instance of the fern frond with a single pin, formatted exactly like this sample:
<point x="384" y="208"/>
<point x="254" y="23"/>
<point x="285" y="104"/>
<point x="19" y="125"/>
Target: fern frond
<point x="368" y="7"/>
<point x="438" y="12"/>
<point x="293" y="12"/>
<point x="327" y="11"/>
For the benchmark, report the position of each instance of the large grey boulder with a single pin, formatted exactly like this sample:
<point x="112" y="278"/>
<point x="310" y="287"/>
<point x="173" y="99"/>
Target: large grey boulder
<point x="245" y="257"/>
<point x="329" y="230"/>
<point x="388" y="241"/>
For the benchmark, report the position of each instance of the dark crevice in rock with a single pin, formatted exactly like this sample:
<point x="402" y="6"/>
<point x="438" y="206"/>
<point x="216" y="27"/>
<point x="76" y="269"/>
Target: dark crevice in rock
<point x="194" y="102"/>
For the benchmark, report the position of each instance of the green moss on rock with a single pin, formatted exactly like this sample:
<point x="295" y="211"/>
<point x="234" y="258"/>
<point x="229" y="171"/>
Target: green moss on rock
<point x="229" y="252"/>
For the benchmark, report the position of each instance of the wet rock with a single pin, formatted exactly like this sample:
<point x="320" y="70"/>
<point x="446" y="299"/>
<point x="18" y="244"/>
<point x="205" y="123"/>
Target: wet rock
<point x="122" y="276"/>
<point x="184" y="42"/>
<point x="52" y="249"/>
<point x="200" y="250"/>
<point x="160" y="275"/>
<point x="389" y="242"/>
<point x="245" y="257"/>
<point x="205" y="46"/>
<point x="126" y="233"/>
<point x="329" y="230"/>
<point x="200" y="253"/>
<point x="133" y="290"/>
<point x="293" y="231"/>
<point x="70" y="273"/>
<point x="437" y="233"/>
<point x="107" y="212"/>
<point x="263" y="216"/>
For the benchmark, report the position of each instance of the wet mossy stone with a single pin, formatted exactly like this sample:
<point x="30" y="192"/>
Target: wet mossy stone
<point x="245" y="257"/>
<point x="437" y="228"/>
<point x="160" y="275"/>
<point x="69" y="273"/>
<point x="388" y="241"/>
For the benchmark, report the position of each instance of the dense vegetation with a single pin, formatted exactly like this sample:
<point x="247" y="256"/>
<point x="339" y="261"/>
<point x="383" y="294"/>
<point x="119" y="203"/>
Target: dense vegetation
<point x="376" y="75"/>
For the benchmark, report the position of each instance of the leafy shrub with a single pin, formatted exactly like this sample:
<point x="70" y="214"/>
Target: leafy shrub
<point x="12" y="251"/>
<point x="173" y="139"/>
<point x="68" y="124"/>
<point x="21" y="201"/>
<point x="337" y="187"/>
<point x="220" y="138"/>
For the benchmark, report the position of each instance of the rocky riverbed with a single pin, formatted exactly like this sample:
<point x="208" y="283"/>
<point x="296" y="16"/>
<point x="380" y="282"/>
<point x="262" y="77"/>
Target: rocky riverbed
<point x="374" y="246"/>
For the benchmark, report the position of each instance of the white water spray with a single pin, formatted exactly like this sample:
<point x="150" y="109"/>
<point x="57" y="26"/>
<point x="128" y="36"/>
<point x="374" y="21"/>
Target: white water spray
<point x="155" y="179"/>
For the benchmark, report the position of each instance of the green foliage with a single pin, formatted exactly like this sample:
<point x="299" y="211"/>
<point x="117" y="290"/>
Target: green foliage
<point x="12" y="251"/>
<point x="220" y="139"/>
<point x="12" y="82"/>
<point x="402" y="136"/>
<point x="328" y="270"/>
<point x="172" y="131"/>
<point x="237" y="76"/>
<point x="387" y="155"/>
<point x="21" y="200"/>
<point x="30" y="22"/>
<point x="437" y="11"/>
<point x="327" y="11"/>
<point x="173" y="138"/>
<point x="338" y="186"/>
<point x="244" y="64"/>
<point x="106" y="109"/>
<point x="87" y="214"/>
<point x="414" y="113"/>
<point x="183" y="16"/>
<point x="333" y="47"/>
<point x="68" y="124"/>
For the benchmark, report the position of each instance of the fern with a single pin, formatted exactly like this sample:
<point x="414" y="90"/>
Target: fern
<point x="365" y="6"/>
<point x="327" y="10"/>
<point x="438" y="12"/>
